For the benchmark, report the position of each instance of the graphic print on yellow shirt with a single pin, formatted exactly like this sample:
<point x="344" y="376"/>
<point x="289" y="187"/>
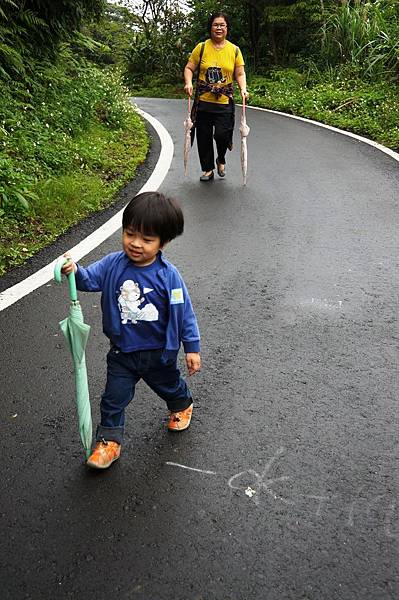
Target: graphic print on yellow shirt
<point x="217" y="67"/>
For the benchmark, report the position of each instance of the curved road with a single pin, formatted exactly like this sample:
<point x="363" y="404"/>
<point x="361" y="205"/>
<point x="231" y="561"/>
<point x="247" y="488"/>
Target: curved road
<point x="286" y="485"/>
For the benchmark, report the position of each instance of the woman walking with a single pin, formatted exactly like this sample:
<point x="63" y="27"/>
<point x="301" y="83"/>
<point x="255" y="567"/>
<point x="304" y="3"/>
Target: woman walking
<point x="219" y="62"/>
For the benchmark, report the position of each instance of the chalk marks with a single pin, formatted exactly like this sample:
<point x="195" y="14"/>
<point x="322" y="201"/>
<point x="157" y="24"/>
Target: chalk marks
<point x="260" y="483"/>
<point x="321" y="500"/>
<point x="173" y="464"/>
<point x="351" y="509"/>
<point x="325" y="303"/>
<point x="388" y="522"/>
<point x="353" y="505"/>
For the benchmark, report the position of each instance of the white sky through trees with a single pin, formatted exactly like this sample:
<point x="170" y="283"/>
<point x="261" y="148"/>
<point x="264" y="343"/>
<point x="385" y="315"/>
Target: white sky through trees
<point x="139" y="5"/>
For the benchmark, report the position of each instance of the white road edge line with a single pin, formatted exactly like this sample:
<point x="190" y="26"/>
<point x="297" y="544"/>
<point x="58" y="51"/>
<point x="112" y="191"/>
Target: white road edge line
<point x="365" y="140"/>
<point x="34" y="281"/>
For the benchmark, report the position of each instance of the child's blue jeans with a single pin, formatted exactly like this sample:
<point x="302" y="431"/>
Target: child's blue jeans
<point x="124" y="370"/>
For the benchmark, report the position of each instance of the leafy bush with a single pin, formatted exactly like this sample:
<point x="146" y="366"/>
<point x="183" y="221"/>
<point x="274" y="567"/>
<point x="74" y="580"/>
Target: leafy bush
<point x="368" y="109"/>
<point x="69" y="139"/>
<point x="41" y="121"/>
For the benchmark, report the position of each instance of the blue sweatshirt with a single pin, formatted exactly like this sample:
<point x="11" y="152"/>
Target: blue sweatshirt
<point x="104" y="275"/>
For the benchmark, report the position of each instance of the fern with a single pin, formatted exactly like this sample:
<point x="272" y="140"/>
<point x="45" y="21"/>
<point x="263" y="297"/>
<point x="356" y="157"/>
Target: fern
<point x="12" y="58"/>
<point x="10" y="3"/>
<point x="29" y="18"/>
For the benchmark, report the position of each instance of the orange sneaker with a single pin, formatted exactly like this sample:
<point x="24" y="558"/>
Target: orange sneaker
<point x="180" y="420"/>
<point x="104" y="454"/>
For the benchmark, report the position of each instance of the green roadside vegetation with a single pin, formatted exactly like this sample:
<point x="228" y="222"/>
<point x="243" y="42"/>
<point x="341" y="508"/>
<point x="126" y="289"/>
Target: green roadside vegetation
<point x="370" y="110"/>
<point x="69" y="140"/>
<point x="68" y="145"/>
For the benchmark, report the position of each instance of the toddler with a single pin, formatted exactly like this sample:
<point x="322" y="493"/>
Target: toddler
<point x="147" y="314"/>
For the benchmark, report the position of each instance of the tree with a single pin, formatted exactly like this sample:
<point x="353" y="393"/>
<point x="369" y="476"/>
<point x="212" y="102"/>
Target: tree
<point x="159" y="42"/>
<point x="113" y="33"/>
<point x="269" y="31"/>
<point x="32" y="29"/>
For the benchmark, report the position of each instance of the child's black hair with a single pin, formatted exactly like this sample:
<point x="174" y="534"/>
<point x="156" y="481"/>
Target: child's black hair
<point x="214" y="16"/>
<point x="152" y="213"/>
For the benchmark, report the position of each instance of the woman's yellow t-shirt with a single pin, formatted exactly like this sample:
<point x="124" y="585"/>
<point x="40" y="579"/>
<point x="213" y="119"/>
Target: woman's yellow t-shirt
<point x="217" y="67"/>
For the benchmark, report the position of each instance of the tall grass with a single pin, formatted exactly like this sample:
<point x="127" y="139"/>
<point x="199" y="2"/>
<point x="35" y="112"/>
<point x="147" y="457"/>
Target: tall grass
<point x="364" y="34"/>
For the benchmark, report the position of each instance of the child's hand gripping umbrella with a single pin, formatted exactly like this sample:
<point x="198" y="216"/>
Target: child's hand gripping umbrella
<point x="77" y="333"/>
<point x="244" y="130"/>
<point x="187" y="136"/>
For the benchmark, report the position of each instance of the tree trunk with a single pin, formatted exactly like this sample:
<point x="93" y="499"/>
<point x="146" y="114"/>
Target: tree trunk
<point x="254" y="35"/>
<point x="272" y="42"/>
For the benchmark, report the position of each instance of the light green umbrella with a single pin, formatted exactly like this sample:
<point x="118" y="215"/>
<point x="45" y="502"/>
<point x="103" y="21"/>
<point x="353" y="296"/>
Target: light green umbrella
<point x="77" y="334"/>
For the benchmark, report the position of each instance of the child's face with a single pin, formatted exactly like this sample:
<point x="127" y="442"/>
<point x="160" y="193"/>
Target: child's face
<point x="140" y="248"/>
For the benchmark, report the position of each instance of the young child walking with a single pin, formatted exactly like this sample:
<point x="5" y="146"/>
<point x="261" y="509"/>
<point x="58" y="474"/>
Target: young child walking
<point x="147" y="314"/>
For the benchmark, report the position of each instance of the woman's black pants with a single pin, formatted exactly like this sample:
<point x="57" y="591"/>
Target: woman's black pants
<point x="209" y="125"/>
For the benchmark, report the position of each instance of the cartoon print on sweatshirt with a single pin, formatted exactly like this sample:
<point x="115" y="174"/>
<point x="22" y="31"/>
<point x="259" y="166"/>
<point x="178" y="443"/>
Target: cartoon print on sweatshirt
<point x="129" y="304"/>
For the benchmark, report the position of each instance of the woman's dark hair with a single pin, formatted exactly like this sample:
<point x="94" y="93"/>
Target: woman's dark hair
<point x="214" y="16"/>
<point x="152" y="213"/>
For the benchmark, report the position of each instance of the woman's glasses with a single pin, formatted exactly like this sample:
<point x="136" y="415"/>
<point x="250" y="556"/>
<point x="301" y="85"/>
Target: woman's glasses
<point x="219" y="26"/>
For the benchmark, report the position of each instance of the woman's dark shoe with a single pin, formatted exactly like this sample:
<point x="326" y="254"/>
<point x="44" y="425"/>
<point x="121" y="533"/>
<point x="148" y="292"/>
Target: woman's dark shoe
<point x="221" y="171"/>
<point x="207" y="177"/>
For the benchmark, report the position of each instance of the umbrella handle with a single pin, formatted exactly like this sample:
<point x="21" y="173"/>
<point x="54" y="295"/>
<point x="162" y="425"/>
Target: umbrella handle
<point x="73" y="294"/>
<point x="243" y="106"/>
<point x="189" y="105"/>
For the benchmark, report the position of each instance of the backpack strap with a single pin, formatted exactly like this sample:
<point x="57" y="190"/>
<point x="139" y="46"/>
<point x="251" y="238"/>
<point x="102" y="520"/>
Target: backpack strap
<point x="196" y="95"/>
<point x="200" y="56"/>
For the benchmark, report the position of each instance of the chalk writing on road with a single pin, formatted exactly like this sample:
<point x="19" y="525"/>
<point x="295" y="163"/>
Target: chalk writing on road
<point x="261" y="483"/>
<point x="173" y="464"/>
<point x="257" y="486"/>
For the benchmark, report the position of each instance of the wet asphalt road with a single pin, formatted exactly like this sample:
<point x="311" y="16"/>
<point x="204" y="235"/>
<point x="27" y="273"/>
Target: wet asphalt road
<point x="295" y="429"/>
